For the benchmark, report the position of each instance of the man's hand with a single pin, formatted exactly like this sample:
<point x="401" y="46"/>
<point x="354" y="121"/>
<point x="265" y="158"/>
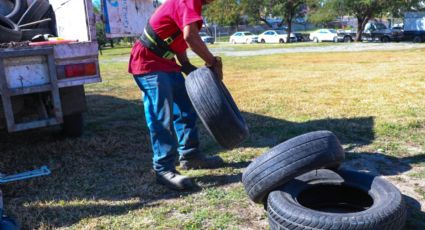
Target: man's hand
<point x="217" y="68"/>
<point x="188" y="68"/>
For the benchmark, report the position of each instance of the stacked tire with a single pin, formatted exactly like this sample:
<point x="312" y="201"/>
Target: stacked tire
<point x="298" y="193"/>
<point x="16" y="18"/>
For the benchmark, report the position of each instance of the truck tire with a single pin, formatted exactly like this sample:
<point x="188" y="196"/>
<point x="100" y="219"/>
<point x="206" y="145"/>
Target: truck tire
<point x="347" y="39"/>
<point x="215" y="108"/>
<point x="323" y="199"/>
<point x="73" y="125"/>
<point x="290" y="159"/>
<point x="28" y="34"/>
<point x="417" y="39"/>
<point x="9" y="31"/>
<point x="35" y="12"/>
<point x="19" y="7"/>
<point x="385" y="39"/>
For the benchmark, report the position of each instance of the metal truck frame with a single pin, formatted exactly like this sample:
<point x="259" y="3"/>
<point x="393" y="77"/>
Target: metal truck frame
<point x="44" y="85"/>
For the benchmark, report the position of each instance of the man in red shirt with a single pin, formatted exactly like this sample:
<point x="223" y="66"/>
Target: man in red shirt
<point x="170" y="117"/>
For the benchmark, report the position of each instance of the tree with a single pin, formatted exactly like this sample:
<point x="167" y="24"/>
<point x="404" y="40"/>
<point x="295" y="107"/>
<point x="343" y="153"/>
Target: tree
<point x="224" y="12"/>
<point x="289" y="9"/>
<point x="364" y="10"/>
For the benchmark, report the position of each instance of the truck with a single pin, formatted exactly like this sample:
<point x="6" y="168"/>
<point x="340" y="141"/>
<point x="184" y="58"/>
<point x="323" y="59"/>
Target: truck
<point x="414" y="26"/>
<point x="373" y="31"/>
<point x="42" y="83"/>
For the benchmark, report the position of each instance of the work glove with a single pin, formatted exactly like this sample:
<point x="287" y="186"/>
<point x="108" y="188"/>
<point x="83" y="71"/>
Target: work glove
<point x="217" y="68"/>
<point x="188" y="68"/>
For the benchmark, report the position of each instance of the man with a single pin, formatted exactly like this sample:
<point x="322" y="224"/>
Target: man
<point x="169" y="113"/>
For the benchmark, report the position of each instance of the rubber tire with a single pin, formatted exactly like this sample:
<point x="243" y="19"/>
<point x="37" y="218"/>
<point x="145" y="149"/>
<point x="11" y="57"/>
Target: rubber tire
<point x="18" y="10"/>
<point x="215" y="108"/>
<point x="387" y="211"/>
<point x="9" y="31"/>
<point x="385" y="39"/>
<point x="347" y="39"/>
<point x="290" y="159"/>
<point x="73" y="125"/>
<point x="28" y="34"/>
<point x="35" y="12"/>
<point x="263" y="41"/>
<point x="417" y="39"/>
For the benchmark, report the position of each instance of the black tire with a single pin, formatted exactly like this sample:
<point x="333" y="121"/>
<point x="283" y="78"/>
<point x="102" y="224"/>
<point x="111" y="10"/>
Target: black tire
<point x="19" y="7"/>
<point x="215" y="108"/>
<point x="385" y="39"/>
<point x="9" y="31"/>
<point x="281" y="41"/>
<point x="347" y="200"/>
<point x="73" y="125"/>
<point x="417" y="39"/>
<point x="347" y="39"/>
<point x="28" y="34"/>
<point x="290" y="159"/>
<point x="263" y="41"/>
<point x="35" y="12"/>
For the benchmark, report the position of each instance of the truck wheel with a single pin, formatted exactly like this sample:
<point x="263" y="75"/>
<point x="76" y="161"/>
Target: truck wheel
<point x="9" y="31"/>
<point x="417" y="39"/>
<point x="35" y="12"/>
<point x="385" y="39"/>
<point x="18" y="9"/>
<point x="323" y="199"/>
<point x="215" y="108"/>
<point x="347" y="39"/>
<point x="290" y="159"/>
<point x="73" y="125"/>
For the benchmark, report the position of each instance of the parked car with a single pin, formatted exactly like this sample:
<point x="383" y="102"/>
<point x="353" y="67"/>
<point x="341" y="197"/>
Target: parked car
<point x="322" y="35"/>
<point x="377" y="31"/>
<point x="275" y="36"/>
<point x="374" y="31"/>
<point x="243" y="37"/>
<point x="206" y="38"/>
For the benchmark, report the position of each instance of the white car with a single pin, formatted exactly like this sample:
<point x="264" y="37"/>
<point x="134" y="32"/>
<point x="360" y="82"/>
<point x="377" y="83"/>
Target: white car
<point x="275" y="36"/>
<point x="324" y="35"/>
<point x="243" y="37"/>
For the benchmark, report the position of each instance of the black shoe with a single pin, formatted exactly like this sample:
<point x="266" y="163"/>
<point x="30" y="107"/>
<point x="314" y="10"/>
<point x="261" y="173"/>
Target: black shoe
<point x="201" y="162"/>
<point x="173" y="180"/>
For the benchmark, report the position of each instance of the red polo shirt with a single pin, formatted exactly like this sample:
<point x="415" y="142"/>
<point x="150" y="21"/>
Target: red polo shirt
<point x="171" y="16"/>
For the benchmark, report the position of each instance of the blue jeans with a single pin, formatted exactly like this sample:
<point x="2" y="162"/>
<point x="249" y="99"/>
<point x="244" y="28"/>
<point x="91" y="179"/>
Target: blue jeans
<point x="170" y="118"/>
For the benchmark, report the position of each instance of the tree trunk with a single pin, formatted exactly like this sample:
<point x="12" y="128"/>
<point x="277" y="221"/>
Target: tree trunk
<point x="288" y="38"/>
<point x="361" y="23"/>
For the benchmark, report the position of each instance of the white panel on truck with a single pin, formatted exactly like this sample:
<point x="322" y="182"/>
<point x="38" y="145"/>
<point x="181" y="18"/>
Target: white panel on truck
<point x="71" y="19"/>
<point x="125" y="18"/>
<point x="414" y="21"/>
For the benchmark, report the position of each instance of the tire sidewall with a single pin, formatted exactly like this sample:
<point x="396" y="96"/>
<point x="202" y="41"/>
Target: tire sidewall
<point x="386" y="198"/>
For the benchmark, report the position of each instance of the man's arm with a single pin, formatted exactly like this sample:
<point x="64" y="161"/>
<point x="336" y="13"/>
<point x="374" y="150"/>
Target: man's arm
<point x="194" y="41"/>
<point x="187" y="67"/>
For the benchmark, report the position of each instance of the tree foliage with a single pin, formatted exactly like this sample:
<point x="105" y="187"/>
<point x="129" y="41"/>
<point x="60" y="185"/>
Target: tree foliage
<point x="224" y="12"/>
<point x="362" y="10"/>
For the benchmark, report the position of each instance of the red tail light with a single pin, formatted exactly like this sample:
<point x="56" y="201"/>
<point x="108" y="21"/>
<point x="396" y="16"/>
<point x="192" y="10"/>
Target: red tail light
<point x="78" y="70"/>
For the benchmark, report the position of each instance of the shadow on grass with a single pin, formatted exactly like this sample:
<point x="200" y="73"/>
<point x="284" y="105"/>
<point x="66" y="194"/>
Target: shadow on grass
<point x="107" y="171"/>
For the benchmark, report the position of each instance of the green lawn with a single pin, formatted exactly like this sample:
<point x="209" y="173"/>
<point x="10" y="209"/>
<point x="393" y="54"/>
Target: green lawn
<point x="373" y="101"/>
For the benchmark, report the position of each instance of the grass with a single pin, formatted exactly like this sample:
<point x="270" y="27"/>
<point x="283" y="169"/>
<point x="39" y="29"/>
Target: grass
<point x="373" y="101"/>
